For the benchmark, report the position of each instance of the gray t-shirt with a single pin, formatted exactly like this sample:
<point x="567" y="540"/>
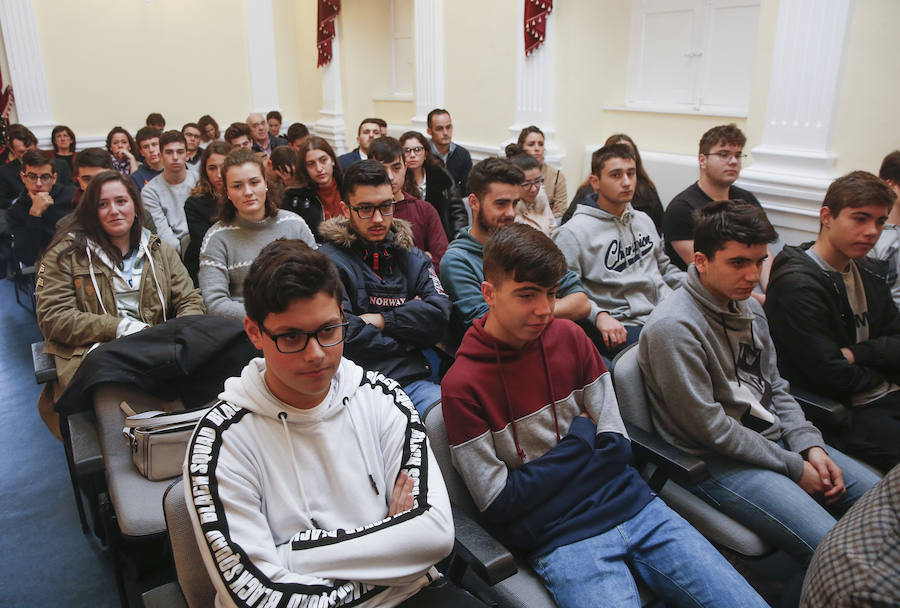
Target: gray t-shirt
<point x="856" y="295"/>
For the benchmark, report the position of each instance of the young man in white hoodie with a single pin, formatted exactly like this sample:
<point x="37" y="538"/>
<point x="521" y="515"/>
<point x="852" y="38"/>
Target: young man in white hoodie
<point x="311" y="483"/>
<point x="617" y="253"/>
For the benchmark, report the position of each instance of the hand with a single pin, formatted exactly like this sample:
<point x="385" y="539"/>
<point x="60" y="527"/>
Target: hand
<point x="40" y="202"/>
<point x="373" y="318"/>
<point x="613" y="332"/>
<point x="848" y="355"/>
<point x="830" y="475"/>
<point x="401" y="497"/>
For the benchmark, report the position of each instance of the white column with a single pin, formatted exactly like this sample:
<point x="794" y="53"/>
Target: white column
<point x="793" y="164"/>
<point x="429" y="49"/>
<point x="261" y="51"/>
<point x="26" y="67"/>
<point x="535" y="87"/>
<point x="331" y="117"/>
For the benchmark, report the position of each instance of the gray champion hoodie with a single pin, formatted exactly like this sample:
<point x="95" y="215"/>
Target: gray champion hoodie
<point x="713" y="382"/>
<point x="621" y="261"/>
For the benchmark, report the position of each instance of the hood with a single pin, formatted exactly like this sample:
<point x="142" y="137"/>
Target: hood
<point x="467" y="242"/>
<point x="249" y="391"/>
<point x="735" y="315"/>
<point x="481" y="346"/>
<point x="337" y="230"/>
<point x="589" y="207"/>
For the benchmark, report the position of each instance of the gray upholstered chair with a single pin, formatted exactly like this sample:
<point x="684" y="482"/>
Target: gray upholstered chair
<point x="718" y="528"/>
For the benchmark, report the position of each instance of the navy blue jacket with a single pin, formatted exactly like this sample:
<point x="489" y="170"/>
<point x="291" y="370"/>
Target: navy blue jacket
<point x="398" y="281"/>
<point x="33" y="234"/>
<point x="345" y="160"/>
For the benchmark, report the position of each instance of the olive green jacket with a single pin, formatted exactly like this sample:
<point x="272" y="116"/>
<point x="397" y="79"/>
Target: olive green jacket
<point x="72" y="317"/>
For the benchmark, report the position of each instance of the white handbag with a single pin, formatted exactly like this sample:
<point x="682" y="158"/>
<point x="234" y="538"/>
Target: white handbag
<point x="159" y="439"/>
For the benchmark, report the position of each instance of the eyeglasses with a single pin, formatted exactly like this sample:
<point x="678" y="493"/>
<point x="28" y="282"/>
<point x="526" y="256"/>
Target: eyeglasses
<point x="726" y="156"/>
<point x="535" y="183"/>
<point x="368" y="211"/>
<point x="43" y="177"/>
<point x="297" y="340"/>
<point x="416" y="150"/>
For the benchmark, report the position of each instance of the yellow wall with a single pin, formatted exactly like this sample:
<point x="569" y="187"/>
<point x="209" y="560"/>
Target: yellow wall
<point x="110" y="63"/>
<point x="868" y="123"/>
<point x="284" y="19"/>
<point x="364" y="33"/>
<point x="480" y="69"/>
<point x="308" y="78"/>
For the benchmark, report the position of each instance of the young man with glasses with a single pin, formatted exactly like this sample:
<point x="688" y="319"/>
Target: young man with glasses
<point x="394" y="302"/>
<point x="428" y="232"/>
<point x="34" y="213"/>
<point x="720" y="159"/>
<point x="310" y="482"/>
<point x="616" y="252"/>
<point x="191" y="132"/>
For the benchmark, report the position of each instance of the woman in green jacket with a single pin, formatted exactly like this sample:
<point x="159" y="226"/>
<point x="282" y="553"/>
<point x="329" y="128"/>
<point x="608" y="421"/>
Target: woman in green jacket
<point x="104" y="276"/>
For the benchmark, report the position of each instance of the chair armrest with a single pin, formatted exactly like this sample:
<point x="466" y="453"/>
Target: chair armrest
<point x="820" y="409"/>
<point x="480" y="551"/>
<point x="44" y="365"/>
<point x="679" y="465"/>
<point x="167" y="595"/>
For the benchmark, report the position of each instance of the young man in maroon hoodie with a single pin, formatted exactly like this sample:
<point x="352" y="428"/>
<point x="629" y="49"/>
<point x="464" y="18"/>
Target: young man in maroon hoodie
<point x="535" y="432"/>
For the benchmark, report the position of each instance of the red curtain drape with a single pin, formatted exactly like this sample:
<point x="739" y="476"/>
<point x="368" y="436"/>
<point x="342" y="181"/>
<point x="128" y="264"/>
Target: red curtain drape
<point x="328" y="11"/>
<point x="536" y="12"/>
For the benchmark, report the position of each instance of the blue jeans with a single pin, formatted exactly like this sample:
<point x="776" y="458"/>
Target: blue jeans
<point x="422" y="393"/>
<point x="777" y="508"/>
<point x="675" y="561"/>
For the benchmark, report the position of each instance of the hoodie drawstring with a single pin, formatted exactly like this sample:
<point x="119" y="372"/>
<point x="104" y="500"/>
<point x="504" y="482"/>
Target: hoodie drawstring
<point x="359" y="445"/>
<point x="94" y="280"/>
<point x="509" y="412"/>
<point x="287" y="436"/>
<point x="159" y="292"/>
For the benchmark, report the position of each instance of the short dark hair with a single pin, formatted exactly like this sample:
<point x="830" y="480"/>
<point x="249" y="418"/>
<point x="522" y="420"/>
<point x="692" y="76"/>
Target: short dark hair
<point x="857" y="189"/>
<point x="284" y="159"/>
<point x="235" y="130"/>
<point x="285" y="271"/>
<point x="435" y="112"/>
<point x="274" y="114"/>
<point x="493" y="170"/>
<point x="145" y="133"/>
<point x="93" y="157"/>
<point x="297" y="131"/>
<point x="386" y="150"/>
<point x="37" y="158"/>
<point x="890" y="168"/>
<point x="523" y="254"/>
<point x="22" y="133"/>
<point x="729" y="133"/>
<point x="367" y="172"/>
<point x="191" y="124"/>
<point x="235" y="158"/>
<point x="718" y="222"/>
<point x="520" y="158"/>
<point x="374" y="121"/>
<point x="171" y="137"/>
<point x="601" y="155"/>
<point x="61" y="129"/>
<point x="155" y="118"/>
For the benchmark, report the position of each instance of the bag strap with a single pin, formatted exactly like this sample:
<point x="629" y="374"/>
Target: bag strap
<point x="156" y="418"/>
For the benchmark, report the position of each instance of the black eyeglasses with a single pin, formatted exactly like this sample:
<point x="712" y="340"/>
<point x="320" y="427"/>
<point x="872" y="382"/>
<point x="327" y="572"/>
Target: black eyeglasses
<point x="535" y="183"/>
<point x="368" y="211"/>
<point x="415" y="150"/>
<point x="296" y="340"/>
<point x="44" y="177"/>
<point x="726" y="156"/>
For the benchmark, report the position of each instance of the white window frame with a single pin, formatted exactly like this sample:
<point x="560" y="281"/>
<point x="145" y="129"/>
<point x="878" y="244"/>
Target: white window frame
<point x="396" y="92"/>
<point x="637" y="98"/>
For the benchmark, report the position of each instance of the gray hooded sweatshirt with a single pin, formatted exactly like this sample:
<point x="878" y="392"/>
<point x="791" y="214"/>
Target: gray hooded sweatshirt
<point x="713" y="382"/>
<point x="621" y="261"/>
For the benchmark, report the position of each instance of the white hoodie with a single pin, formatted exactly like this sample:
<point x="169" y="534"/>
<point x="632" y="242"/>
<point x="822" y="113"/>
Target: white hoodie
<point x="290" y="507"/>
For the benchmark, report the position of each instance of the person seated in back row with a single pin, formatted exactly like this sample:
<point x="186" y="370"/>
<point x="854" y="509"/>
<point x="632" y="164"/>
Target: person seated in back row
<point x="712" y="380"/>
<point x="535" y="432"/>
<point x="617" y="253"/>
<point x="394" y="301"/>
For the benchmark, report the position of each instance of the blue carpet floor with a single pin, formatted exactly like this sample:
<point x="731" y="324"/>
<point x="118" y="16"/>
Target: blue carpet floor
<point x="45" y="559"/>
